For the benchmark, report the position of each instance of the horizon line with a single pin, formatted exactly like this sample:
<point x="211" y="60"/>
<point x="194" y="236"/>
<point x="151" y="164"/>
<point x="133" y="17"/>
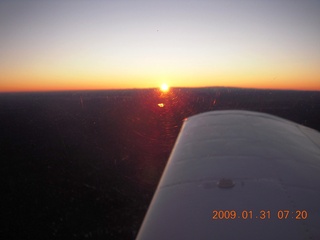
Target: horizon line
<point x="155" y="88"/>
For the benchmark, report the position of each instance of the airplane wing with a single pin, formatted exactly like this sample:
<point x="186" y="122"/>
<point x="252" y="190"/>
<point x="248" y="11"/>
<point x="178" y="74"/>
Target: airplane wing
<point x="238" y="175"/>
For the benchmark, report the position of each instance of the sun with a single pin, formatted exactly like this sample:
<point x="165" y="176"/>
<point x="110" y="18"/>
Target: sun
<point x="164" y="87"/>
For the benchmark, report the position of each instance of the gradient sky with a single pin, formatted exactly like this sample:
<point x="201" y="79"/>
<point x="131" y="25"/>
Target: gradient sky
<point x="82" y="44"/>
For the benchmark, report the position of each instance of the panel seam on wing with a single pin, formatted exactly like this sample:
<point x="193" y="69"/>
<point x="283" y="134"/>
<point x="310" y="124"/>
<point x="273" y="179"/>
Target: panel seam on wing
<point x="216" y="180"/>
<point x="308" y="137"/>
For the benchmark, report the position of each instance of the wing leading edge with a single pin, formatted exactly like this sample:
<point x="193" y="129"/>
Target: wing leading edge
<point x="238" y="175"/>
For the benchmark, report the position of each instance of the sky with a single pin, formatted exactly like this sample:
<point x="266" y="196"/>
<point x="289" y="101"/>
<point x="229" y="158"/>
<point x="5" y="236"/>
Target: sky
<point x="95" y="44"/>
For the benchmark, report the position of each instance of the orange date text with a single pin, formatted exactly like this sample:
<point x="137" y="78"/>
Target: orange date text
<point x="282" y="214"/>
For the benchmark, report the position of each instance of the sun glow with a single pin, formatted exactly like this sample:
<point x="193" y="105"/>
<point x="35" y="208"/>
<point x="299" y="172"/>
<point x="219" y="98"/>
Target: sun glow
<point x="164" y="87"/>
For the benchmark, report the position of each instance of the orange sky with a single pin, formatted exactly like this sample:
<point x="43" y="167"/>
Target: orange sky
<point x="84" y="45"/>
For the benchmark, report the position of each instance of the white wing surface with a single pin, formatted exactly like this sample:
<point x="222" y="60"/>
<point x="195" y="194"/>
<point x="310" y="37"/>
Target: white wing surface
<point x="238" y="175"/>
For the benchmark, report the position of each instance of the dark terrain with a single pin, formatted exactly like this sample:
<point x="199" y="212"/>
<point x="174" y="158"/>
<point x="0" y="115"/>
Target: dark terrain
<point x="78" y="165"/>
